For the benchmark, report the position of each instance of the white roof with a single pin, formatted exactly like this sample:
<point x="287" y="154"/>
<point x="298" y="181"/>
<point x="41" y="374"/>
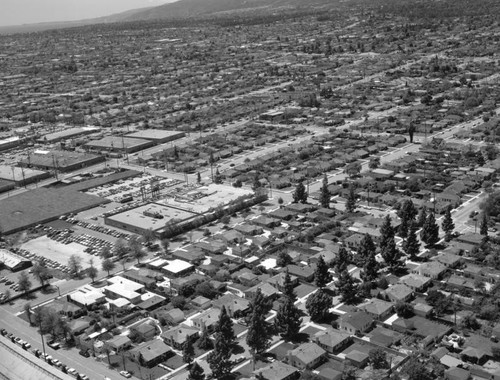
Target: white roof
<point x="122" y="291"/>
<point x="10" y="259"/>
<point x="125" y="283"/>
<point x="87" y="295"/>
<point x="120" y="302"/>
<point x="176" y="266"/>
<point x="158" y="263"/>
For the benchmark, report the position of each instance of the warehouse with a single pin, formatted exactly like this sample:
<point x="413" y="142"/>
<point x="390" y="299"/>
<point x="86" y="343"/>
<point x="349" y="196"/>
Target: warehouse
<point x="119" y="144"/>
<point x="158" y="136"/>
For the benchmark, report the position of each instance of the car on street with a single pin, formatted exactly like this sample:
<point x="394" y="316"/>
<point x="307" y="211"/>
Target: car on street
<point x="125" y="374"/>
<point x="72" y="371"/>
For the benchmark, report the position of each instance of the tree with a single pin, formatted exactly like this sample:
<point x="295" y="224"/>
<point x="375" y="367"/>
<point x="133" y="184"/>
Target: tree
<point x="92" y="271"/>
<point x="404" y="309"/>
<point x="483" y="228"/>
<point x="75" y="264"/>
<point x="283" y="259"/>
<point x="196" y="372"/>
<point x="280" y="201"/>
<point x="447" y="225"/>
<point x="148" y="236"/>
<point x="370" y="268"/>
<point x="350" y="205"/>
<point x="353" y="169"/>
<point x="27" y="310"/>
<point x="342" y="260"/>
<point x="165" y="244"/>
<point x="392" y="256"/>
<point x="218" y="359"/>
<point x="422" y="216"/>
<point x="374" y="163"/>
<point x="412" y="245"/>
<point x="288" y="319"/>
<point x="225" y="328"/>
<point x="106" y="252"/>
<point x="366" y="248"/>
<point x="430" y="230"/>
<point x="318" y="305"/>
<point x="259" y="331"/>
<point x="218" y="177"/>
<point x="321" y="274"/>
<point x="300" y="193"/>
<point x="347" y="288"/>
<point x="204" y="343"/>
<point x="188" y="351"/>
<point x="24" y="283"/>
<point x="386" y="232"/>
<point x="108" y="265"/>
<point x="288" y="288"/>
<point x="198" y="177"/>
<point x="378" y="358"/>
<point x="120" y="248"/>
<point x="411" y="132"/>
<point x="324" y="196"/>
<point x="41" y="272"/>
<point x="415" y="370"/>
<point x="408" y="211"/>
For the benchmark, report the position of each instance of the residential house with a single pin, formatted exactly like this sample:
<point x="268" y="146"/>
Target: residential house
<point x="233" y="304"/>
<point x="433" y="270"/>
<point x="332" y="340"/>
<point x="356" y="323"/>
<point x="177" y="336"/>
<point x="277" y="371"/>
<point x="201" y="302"/>
<point x="152" y="353"/>
<point x="119" y="343"/>
<point x="357" y="358"/>
<point x="174" y="316"/>
<point x="279" y="280"/>
<point x="303" y="273"/>
<point x="146" y="331"/>
<point x="207" y="319"/>
<point x="449" y="260"/>
<point x="398" y="292"/>
<point x="377" y="309"/>
<point x="416" y="282"/>
<point x="306" y="356"/>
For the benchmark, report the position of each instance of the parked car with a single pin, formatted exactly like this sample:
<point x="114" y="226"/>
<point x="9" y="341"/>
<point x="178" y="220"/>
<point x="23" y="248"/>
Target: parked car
<point x="125" y="374"/>
<point x="54" y="345"/>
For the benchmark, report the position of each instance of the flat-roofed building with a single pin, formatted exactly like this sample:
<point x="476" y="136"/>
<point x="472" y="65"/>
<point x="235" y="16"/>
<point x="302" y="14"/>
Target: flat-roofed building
<point x="60" y="160"/>
<point x="120" y="287"/>
<point x="158" y="136"/>
<point x="177" y="268"/>
<point x="21" y="176"/>
<point x="67" y="133"/>
<point x="87" y="296"/>
<point x="119" y="144"/>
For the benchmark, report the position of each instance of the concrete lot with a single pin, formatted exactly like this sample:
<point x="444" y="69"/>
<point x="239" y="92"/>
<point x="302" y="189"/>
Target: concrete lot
<point x="46" y="247"/>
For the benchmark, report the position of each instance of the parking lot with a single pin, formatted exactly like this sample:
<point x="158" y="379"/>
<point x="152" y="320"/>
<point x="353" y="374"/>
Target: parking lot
<point x="59" y="252"/>
<point x="9" y="280"/>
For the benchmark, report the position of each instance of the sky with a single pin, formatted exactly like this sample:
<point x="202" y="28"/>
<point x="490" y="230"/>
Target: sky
<point x="18" y="12"/>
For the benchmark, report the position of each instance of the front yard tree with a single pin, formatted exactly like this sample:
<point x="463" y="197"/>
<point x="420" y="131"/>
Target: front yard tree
<point x="347" y="288"/>
<point x="422" y="217"/>
<point x="188" y="351"/>
<point x="259" y="333"/>
<point x="218" y="359"/>
<point x="366" y="248"/>
<point x="204" y="343"/>
<point x="318" y="304"/>
<point x="108" y="265"/>
<point x="483" y="228"/>
<point x="300" y="193"/>
<point x="27" y="310"/>
<point x="350" y="205"/>
<point x="196" y="372"/>
<point x="430" y="230"/>
<point x="288" y="320"/>
<point x="321" y="274"/>
<point x="374" y="163"/>
<point x="447" y="225"/>
<point x="342" y="260"/>
<point x="412" y="245"/>
<point x="392" y="256"/>
<point x="288" y="288"/>
<point x="386" y="232"/>
<point x="324" y="196"/>
<point x="225" y="327"/>
<point x="370" y="269"/>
